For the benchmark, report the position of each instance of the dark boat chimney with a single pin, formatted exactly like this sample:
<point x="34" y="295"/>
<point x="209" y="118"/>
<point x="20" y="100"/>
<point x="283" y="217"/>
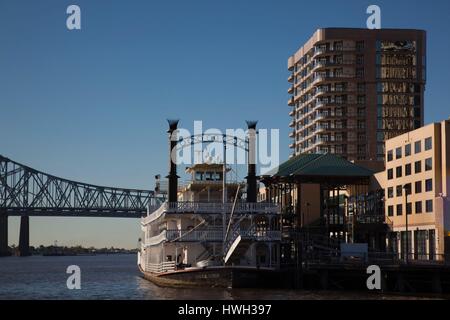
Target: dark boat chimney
<point x="173" y="178"/>
<point x="251" y="174"/>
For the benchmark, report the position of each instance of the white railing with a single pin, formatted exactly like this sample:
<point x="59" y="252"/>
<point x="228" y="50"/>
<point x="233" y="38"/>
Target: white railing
<point x="154" y="213"/>
<point x="216" y="207"/>
<point x="213" y="234"/>
<point x="261" y="235"/>
<point x="160" y="267"/>
<point x="195" y="235"/>
<point x="156" y="239"/>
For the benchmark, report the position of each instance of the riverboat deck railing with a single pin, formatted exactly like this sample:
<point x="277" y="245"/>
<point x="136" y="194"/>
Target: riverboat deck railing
<point x="217" y="235"/>
<point x="181" y="207"/>
<point x="160" y="267"/>
<point x="211" y="235"/>
<point x="195" y="235"/>
<point x="156" y="239"/>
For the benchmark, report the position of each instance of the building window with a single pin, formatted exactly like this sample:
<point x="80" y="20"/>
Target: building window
<point x="359" y="45"/>
<point x="418" y="147"/>
<point x="418" y="167"/>
<point x="409" y="208"/>
<point x="359" y="59"/>
<point x="418" y="186"/>
<point x="399" y="210"/>
<point x="428" y="185"/>
<point x="399" y="191"/>
<point x="407" y="150"/>
<point x="390" y="192"/>
<point x="428" y="164"/>
<point x="408" y="170"/>
<point x="418" y="207"/>
<point x="360" y="73"/>
<point x="338" y="45"/>
<point x="429" y="206"/>
<point x="408" y="188"/>
<point x="390" y="174"/>
<point x="361" y="87"/>
<point x="390" y="211"/>
<point x="361" y="99"/>
<point x="398" y="172"/>
<point x="390" y="155"/>
<point x="398" y="153"/>
<point x="428" y="144"/>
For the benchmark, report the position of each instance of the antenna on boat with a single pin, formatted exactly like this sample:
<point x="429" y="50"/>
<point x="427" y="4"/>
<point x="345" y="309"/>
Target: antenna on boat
<point x="224" y="191"/>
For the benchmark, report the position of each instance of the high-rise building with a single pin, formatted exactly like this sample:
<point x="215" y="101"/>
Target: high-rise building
<point x="352" y="89"/>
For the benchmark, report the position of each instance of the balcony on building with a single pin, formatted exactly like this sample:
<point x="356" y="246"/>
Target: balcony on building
<point x="291" y="63"/>
<point x="291" y="101"/>
<point x="291" y="90"/>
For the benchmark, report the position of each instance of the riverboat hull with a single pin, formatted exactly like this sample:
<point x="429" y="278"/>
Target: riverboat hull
<point x="222" y="277"/>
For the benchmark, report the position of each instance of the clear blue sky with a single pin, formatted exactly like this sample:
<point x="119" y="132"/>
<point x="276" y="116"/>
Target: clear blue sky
<point x="91" y="105"/>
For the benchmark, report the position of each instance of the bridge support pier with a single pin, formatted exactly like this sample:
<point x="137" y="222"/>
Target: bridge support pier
<point x="24" y="239"/>
<point x="4" y="250"/>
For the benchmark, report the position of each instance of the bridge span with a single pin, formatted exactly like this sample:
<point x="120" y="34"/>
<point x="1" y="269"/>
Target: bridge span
<point x="27" y="192"/>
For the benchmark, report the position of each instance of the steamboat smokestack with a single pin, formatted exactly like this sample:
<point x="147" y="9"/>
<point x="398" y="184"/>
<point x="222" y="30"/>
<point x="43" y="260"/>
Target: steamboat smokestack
<point x="251" y="174"/>
<point x="173" y="178"/>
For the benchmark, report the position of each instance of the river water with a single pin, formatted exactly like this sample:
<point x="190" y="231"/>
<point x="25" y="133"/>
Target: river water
<point x="117" y="277"/>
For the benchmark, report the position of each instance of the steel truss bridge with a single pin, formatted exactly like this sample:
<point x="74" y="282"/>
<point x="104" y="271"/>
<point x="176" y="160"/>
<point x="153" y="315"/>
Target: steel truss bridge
<point x="27" y="192"/>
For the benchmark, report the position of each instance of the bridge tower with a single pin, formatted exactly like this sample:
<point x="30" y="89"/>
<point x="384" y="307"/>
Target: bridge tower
<point x="24" y="237"/>
<point x="4" y="250"/>
<point x="3" y="234"/>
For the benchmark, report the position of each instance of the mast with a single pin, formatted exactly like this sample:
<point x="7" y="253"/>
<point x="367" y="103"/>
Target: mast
<point x="224" y="193"/>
